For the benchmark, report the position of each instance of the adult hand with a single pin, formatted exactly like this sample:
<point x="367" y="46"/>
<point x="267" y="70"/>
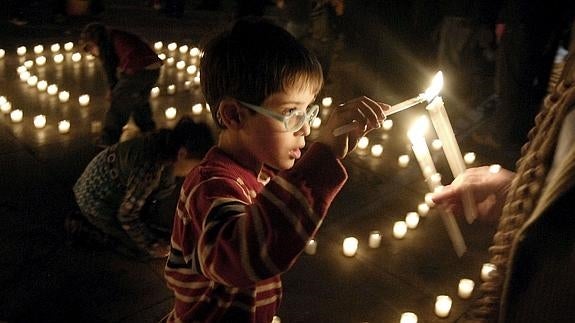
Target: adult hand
<point x="489" y="188"/>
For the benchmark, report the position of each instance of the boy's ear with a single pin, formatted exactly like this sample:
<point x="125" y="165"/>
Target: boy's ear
<point x="231" y="114"/>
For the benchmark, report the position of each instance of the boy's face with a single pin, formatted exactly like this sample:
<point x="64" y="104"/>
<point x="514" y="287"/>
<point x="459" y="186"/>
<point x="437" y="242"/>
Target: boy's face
<point x="266" y="138"/>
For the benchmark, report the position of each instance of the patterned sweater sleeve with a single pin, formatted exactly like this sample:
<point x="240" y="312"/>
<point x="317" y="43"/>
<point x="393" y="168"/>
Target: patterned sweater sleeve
<point x="245" y="238"/>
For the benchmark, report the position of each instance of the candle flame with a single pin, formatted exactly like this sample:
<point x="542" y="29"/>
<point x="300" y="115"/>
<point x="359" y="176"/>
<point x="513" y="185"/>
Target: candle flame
<point x="418" y="128"/>
<point x="435" y="87"/>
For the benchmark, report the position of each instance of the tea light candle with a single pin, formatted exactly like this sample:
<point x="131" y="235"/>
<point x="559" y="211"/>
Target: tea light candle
<point x="40" y="121"/>
<point x="311" y="247"/>
<point x="197" y="79"/>
<point x="6" y="107"/>
<point x="64" y="96"/>
<point x="363" y="142"/>
<point x="170" y="61"/>
<point x="24" y="76"/>
<point x="162" y="56"/>
<point x="316" y="123"/>
<point x="423" y="209"/>
<point x="469" y="158"/>
<point x="183" y="49"/>
<point x="443" y="305"/>
<point x="68" y="46"/>
<point x="408" y="317"/>
<point x="2" y="53"/>
<point x="38" y="49"/>
<point x="32" y="80"/>
<point x="192" y="69"/>
<point x="403" y="160"/>
<point x="187" y="84"/>
<point x="42" y="85"/>
<point x="172" y="46"/>
<point x="387" y="124"/>
<point x="54" y="48"/>
<point x="465" y="288"/>
<point x="195" y="52"/>
<point x="412" y="220"/>
<point x="3" y="99"/>
<point x="376" y="150"/>
<point x="486" y="270"/>
<point x="84" y="100"/>
<point x="76" y="57"/>
<point x="58" y="58"/>
<point x="374" y="239"/>
<point x="436" y="144"/>
<point x="171" y="89"/>
<point x="327" y="101"/>
<point x="158" y="45"/>
<point x="197" y="108"/>
<point x="16" y="115"/>
<point x="21" y="50"/>
<point x="155" y="92"/>
<point x="399" y="229"/>
<point x="40" y="60"/>
<point x="180" y="65"/>
<point x="350" y="246"/>
<point x="170" y="113"/>
<point x="64" y="126"/>
<point x="429" y="200"/>
<point x="52" y="89"/>
<point x="495" y="168"/>
<point x="28" y="63"/>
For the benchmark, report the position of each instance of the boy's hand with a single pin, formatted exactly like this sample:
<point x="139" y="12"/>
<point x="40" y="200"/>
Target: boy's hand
<point x="366" y="113"/>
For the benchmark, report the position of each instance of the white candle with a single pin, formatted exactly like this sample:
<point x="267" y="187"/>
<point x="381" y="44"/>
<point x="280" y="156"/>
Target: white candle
<point x="469" y="158"/>
<point x="58" y="58"/>
<point x="180" y="65"/>
<point x="197" y="79"/>
<point x="195" y="52"/>
<point x="465" y="288"/>
<point x="311" y="247"/>
<point x="38" y="49"/>
<point x="68" y="46"/>
<point x="21" y="50"/>
<point x="162" y="56"/>
<point x="387" y="124"/>
<point x="32" y="80"/>
<point x="316" y="123"/>
<point x="171" y="89"/>
<point x="428" y="199"/>
<point x="40" y="121"/>
<point x="3" y="99"/>
<point x="442" y="305"/>
<point x="172" y="46"/>
<point x="403" y="160"/>
<point x="170" y="61"/>
<point x="350" y="246"/>
<point x="2" y="53"/>
<point x="412" y="220"/>
<point x="423" y="209"/>
<point x="42" y="85"/>
<point x="486" y="270"/>
<point x="197" y="108"/>
<point x="158" y="45"/>
<point x="399" y="229"/>
<point x="40" y="60"/>
<point x="187" y="84"/>
<point x="376" y="150"/>
<point x="21" y="69"/>
<point x="170" y="113"/>
<point x="374" y="239"/>
<point x="192" y="69"/>
<point x="54" y="48"/>
<point x="84" y="100"/>
<point x="24" y="76"/>
<point x="28" y="63"/>
<point x="363" y="143"/>
<point x="52" y="89"/>
<point x="16" y="115"/>
<point x="327" y="101"/>
<point x="408" y="317"/>
<point x="64" y="96"/>
<point x="6" y="107"/>
<point x="64" y="126"/>
<point x="155" y="92"/>
<point x="420" y="149"/>
<point x="76" y="57"/>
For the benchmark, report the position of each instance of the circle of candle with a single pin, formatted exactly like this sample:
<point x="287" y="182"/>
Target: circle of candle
<point x="64" y="96"/>
<point x="311" y="247"/>
<point x="171" y="89"/>
<point x="158" y="45"/>
<point x="42" y="85"/>
<point x="399" y="229"/>
<point x="192" y="69"/>
<point x="24" y="76"/>
<point x="172" y="46"/>
<point x="412" y="220"/>
<point x="170" y="113"/>
<point x="68" y="46"/>
<point x="465" y="288"/>
<point x="408" y="317"/>
<point x="170" y="61"/>
<point x="376" y="150"/>
<point x="184" y="49"/>
<point x="443" y="305"/>
<point x="32" y="80"/>
<point x="180" y="65"/>
<point x="469" y="158"/>
<point x="64" y="126"/>
<point x="52" y="89"/>
<point x="155" y="92"/>
<point x="2" y="53"/>
<point x="84" y="100"/>
<point x="29" y="63"/>
<point x="195" y="51"/>
<point x="327" y="101"/>
<point x="21" y="50"/>
<point x="76" y="57"/>
<point x="54" y="48"/>
<point x="363" y="142"/>
<point x="350" y="246"/>
<point x="495" y="168"/>
<point x="387" y="124"/>
<point x="16" y="115"/>
<point x="403" y="160"/>
<point x="40" y="121"/>
<point x="423" y="209"/>
<point x="486" y="270"/>
<point x="374" y="239"/>
<point x="316" y="123"/>
<point x="429" y="200"/>
<point x="197" y="108"/>
<point x="436" y="144"/>
<point x="6" y="107"/>
<point x="58" y="58"/>
<point x="40" y="60"/>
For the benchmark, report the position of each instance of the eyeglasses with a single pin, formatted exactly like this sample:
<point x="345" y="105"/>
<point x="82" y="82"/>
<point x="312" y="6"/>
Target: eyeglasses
<point x="293" y="121"/>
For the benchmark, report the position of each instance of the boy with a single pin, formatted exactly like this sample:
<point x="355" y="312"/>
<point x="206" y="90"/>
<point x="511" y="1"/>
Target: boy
<point x="233" y="237"/>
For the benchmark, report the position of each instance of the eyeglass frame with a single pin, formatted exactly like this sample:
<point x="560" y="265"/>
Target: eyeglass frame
<point x="283" y="118"/>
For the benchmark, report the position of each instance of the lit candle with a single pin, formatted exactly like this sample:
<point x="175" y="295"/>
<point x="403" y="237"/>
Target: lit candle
<point x="2" y="53"/>
<point x="162" y="56"/>
<point x="442" y="305"/>
<point x="387" y="124"/>
<point x="376" y="150"/>
<point x="29" y="63"/>
<point x="172" y="46"/>
<point x="374" y="239"/>
<point x="465" y="288"/>
<point x="42" y="85"/>
<point x="423" y="209"/>
<point x="6" y="107"/>
<point x="363" y="142"/>
<point x="84" y="100"/>
<point x="170" y="61"/>
<point x="327" y="101"/>
<point x="408" y="317"/>
<point x="170" y="113"/>
<point x="38" y="49"/>
<point x="55" y="48"/>
<point x="16" y="115"/>
<point x="495" y="168"/>
<point x="21" y="69"/>
<point x="68" y="46"/>
<point x="180" y="65"/>
<point x="32" y="80"/>
<point x="24" y="76"/>
<point x="40" y="121"/>
<point x="412" y="220"/>
<point x="64" y="126"/>
<point x="155" y="92"/>
<point x="171" y="89"/>
<point x="76" y="57"/>
<point x="64" y="96"/>
<point x="197" y="108"/>
<point x="469" y="158"/>
<point x="21" y="50"/>
<point x="52" y="89"/>
<point x="183" y="49"/>
<point x="192" y="69"/>
<point x="40" y="60"/>
<point x="158" y="45"/>
<point x="195" y="52"/>
<point x="420" y="149"/>
<point x="3" y="99"/>
<point x="429" y="200"/>
<point x="350" y="246"/>
<point x="58" y="58"/>
<point x="187" y="84"/>
<point x="403" y="160"/>
<point x="316" y="123"/>
<point x="311" y="247"/>
<point x="399" y="229"/>
<point x="197" y="79"/>
<point x="486" y="270"/>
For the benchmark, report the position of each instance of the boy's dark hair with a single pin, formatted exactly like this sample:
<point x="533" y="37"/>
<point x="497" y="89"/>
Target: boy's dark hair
<point x="252" y="60"/>
<point x="99" y="34"/>
<point x="197" y="138"/>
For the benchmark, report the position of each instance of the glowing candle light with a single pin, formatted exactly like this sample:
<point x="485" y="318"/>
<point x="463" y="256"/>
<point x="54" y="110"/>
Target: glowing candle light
<point x="183" y="49"/>
<point x="2" y="53"/>
<point x="374" y="239"/>
<point x="52" y="89"/>
<point x="58" y="58"/>
<point x="40" y="60"/>
<point x="38" y="49"/>
<point x="54" y="48"/>
<point x="29" y="63"/>
<point x="42" y="85"/>
<point x="443" y="305"/>
<point x="170" y="61"/>
<point x="363" y="143"/>
<point x="486" y="270"/>
<point x="172" y="46"/>
<point x="6" y="107"/>
<point x="64" y="126"/>
<point x="3" y="99"/>
<point x="465" y="288"/>
<point x="64" y="96"/>
<point x="32" y="80"/>
<point x="21" y="50"/>
<point x="327" y="101"/>
<point x="350" y="246"/>
<point x="171" y="89"/>
<point x="197" y="108"/>
<point x="76" y="57"/>
<point x="40" y="121"/>
<point x="495" y="168"/>
<point x="68" y="46"/>
<point x="399" y="229"/>
<point x="155" y="92"/>
<point x="192" y="69"/>
<point x="162" y="56"/>
<point x="158" y="45"/>
<point x="188" y="84"/>
<point x="170" y="113"/>
<point x="16" y="115"/>
<point x="428" y="199"/>
<point x="412" y="220"/>
<point x="316" y="123"/>
<point x="408" y="317"/>
<point x="180" y="65"/>
<point x="21" y="69"/>
<point x="24" y="76"/>
<point x="311" y="247"/>
<point x="387" y="124"/>
<point x="469" y="158"/>
<point x="403" y="160"/>
<point x="423" y="209"/>
<point x="376" y="150"/>
<point x="84" y="100"/>
<point x="194" y="52"/>
<point x="197" y="79"/>
<point x="436" y="144"/>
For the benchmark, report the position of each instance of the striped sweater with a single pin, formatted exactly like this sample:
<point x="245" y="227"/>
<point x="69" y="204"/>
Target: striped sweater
<point x="233" y="237"/>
